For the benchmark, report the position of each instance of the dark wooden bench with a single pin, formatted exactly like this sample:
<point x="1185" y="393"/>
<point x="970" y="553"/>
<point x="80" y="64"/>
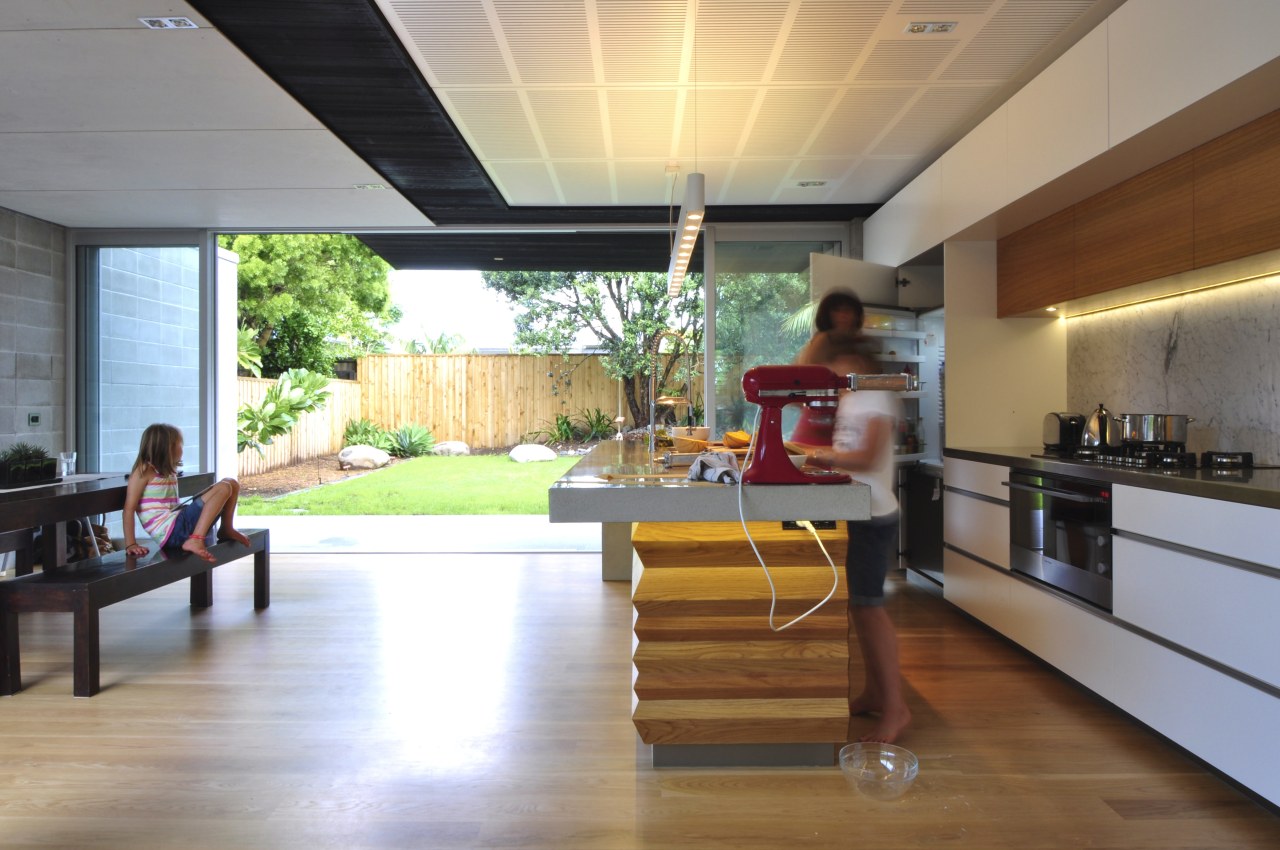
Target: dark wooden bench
<point x="83" y="588"/>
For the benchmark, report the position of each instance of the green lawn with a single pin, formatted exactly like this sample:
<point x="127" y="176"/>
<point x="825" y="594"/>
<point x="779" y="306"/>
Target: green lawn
<point x="478" y="484"/>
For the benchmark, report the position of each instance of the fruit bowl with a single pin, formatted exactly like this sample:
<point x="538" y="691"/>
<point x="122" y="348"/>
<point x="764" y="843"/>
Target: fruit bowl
<point x="879" y="771"/>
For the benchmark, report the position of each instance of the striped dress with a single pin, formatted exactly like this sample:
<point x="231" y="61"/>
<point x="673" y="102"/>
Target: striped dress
<point x="156" y="510"/>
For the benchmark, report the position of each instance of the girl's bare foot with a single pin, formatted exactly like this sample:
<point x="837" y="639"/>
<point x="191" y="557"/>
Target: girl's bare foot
<point x="891" y="725"/>
<point x="233" y="534"/>
<point x="865" y="703"/>
<point x="195" y="545"/>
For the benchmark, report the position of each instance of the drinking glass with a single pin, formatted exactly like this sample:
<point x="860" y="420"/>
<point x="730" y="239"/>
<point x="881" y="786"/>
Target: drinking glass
<point x="68" y="463"/>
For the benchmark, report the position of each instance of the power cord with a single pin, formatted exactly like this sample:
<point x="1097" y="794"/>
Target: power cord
<point x="804" y="523"/>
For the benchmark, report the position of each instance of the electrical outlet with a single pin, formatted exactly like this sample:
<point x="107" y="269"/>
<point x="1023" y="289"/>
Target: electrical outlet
<point x="818" y="524"/>
<point x="33" y="420"/>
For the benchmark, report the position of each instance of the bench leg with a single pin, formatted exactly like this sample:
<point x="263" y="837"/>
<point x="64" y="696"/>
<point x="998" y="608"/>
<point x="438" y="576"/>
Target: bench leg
<point x="10" y="672"/>
<point x="202" y="589"/>
<point x="262" y="578"/>
<point x="84" y="661"/>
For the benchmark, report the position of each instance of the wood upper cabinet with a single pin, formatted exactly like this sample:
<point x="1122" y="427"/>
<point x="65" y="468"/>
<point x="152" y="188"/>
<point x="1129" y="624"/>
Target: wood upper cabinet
<point x="1135" y="231"/>
<point x="1035" y="267"/>
<point x="1218" y="202"/>
<point x="1237" y="193"/>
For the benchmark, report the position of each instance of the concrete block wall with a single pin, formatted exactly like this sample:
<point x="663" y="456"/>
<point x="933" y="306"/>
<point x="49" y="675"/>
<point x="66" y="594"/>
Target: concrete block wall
<point x="150" y="348"/>
<point x="33" y="343"/>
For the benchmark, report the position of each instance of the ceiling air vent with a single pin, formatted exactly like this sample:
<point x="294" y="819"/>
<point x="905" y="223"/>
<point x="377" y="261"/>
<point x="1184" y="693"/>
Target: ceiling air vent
<point x="169" y="23"/>
<point x="930" y="27"/>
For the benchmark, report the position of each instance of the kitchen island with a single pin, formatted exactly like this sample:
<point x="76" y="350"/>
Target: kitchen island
<point x="617" y="484"/>
<point x="1188" y="645"/>
<point x="714" y="684"/>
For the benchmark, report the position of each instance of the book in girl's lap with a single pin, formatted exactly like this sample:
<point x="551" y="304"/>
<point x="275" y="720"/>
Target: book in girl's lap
<point x="152" y="497"/>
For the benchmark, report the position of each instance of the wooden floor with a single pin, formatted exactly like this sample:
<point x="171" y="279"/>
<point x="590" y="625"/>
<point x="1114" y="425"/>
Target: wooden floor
<point x="482" y="701"/>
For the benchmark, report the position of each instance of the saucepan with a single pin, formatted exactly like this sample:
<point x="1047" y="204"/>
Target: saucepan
<point x="1153" y="427"/>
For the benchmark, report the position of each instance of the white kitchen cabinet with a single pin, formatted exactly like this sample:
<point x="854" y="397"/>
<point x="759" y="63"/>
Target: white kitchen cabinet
<point x="1248" y="532"/>
<point x="976" y="589"/>
<point x="974" y="174"/>
<point x="1225" y="612"/>
<point x="976" y="527"/>
<point x="1202" y="573"/>
<point x="1058" y="121"/>
<point x="975" y="510"/>
<point x="1165" y="55"/>
<point x="985" y="479"/>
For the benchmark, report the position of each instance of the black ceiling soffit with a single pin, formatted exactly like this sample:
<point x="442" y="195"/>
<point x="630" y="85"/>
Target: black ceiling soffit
<point x="342" y="61"/>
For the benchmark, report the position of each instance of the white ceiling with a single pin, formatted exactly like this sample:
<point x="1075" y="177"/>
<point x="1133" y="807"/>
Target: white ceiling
<point x="587" y="102"/>
<point x="104" y="123"/>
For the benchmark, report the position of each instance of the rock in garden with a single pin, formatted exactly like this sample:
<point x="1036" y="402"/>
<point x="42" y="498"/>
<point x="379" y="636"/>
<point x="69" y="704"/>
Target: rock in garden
<point x="531" y="453"/>
<point x="451" y="448"/>
<point x="362" y="457"/>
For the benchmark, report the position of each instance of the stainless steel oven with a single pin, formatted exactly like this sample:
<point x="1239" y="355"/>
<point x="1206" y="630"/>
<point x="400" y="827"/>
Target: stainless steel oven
<point x="1060" y="533"/>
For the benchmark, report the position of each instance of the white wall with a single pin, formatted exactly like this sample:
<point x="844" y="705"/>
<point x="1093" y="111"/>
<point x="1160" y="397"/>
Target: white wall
<point x="1003" y="375"/>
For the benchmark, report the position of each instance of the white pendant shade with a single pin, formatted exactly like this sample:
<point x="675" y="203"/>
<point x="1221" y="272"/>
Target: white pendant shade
<point x="687" y="227"/>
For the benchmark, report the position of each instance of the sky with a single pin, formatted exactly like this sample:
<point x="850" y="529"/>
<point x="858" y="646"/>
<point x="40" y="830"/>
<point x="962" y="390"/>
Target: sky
<point x="451" y="302"/>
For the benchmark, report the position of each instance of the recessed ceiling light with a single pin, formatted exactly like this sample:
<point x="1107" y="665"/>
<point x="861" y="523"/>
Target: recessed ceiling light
<point x="810" y="184"/>
<point x="930" y="27"/>
<point x="367" y="186"/>
<point x="169" y="23"/>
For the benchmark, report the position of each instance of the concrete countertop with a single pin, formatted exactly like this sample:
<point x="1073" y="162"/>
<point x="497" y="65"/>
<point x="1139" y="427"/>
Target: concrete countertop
<point x="582" y="495"/>
<point x="1259" y="487"/>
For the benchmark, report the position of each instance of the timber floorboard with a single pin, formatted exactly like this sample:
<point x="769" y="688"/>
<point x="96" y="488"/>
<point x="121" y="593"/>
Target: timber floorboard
<point x="483" y="701"/>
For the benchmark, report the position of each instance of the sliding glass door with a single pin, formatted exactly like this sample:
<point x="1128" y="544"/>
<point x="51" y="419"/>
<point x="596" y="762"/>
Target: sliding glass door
<point x="761" y="309"/>
<point x="140" y="322"/>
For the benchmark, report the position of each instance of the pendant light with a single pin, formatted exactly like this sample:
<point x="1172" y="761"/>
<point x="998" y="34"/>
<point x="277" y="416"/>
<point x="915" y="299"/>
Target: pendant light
<point x="690" y="222"/>
<point x="693" y="207"/>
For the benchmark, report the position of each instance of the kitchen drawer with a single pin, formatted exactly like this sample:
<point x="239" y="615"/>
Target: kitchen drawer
<point x="983" y="478"/>
<point x="1247" y="532"/>
<point x="976" y="526"/>
<point x="1222" y="612"/>
<point x="976" y="589"/>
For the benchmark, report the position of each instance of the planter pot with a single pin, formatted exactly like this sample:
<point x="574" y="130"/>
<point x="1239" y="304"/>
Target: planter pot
<point x="28" y="473"/>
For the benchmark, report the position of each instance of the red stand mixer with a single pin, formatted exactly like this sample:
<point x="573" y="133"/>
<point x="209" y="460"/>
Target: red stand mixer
<point x="773" y="388"/>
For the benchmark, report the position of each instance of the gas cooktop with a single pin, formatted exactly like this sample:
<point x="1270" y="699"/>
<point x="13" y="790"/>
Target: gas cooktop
<point x="1170" y="456"/>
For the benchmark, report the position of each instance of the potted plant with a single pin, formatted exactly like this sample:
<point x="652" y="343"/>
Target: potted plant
<point x="24" y="464"/>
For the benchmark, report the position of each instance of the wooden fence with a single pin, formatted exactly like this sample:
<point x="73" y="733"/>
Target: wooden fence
<point x="487" y="401"/>
<point x="317" y="433"/>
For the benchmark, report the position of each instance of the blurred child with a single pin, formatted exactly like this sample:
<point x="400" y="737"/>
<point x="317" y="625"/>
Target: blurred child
<point x="862" y="445"/>
<point x="152" y="496"/>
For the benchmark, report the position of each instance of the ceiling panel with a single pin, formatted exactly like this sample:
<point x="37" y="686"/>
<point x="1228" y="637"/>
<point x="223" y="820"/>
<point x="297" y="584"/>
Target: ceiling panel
<point x="569" y="122"/>
<point x="786" y="120"/>
<point x="825" y="40"/>
<point x="496" y="112"/>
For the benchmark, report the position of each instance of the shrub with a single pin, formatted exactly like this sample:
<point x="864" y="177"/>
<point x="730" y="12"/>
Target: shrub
<point x="596" y="424"/>
<point x="362" y="432"/>
<point x="563" y="430"/>
<point x="295" y="392"/>
<point x="411" y="441"/>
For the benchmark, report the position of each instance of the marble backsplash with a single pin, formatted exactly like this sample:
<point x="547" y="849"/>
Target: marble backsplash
<point x="1211" y="355"/>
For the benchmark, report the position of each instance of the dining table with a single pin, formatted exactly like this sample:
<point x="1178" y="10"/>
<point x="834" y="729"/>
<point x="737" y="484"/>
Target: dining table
<point x="49" y="507"/>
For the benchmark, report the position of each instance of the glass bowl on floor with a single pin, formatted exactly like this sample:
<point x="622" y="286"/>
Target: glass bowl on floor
<point x="879" y="771"/>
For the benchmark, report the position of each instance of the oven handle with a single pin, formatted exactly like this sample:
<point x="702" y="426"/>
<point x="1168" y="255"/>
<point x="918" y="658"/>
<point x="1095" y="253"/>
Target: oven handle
<point x="1057" y="494"/>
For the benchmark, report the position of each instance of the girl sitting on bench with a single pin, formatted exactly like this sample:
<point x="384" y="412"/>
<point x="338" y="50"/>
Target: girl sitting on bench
<point x="152" y="496"/>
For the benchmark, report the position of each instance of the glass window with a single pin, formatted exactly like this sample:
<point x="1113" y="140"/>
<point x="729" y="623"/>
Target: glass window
<point x="139" y="354"/>
<point x="762" y="316"/>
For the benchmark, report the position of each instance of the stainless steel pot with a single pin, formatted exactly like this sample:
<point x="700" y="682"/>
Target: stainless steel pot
<point x="1153" y="427"/>
<point x="1101" y="430"/>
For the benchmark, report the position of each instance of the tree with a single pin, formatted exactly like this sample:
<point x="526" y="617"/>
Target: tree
<point x="755" y="323"/>
<point x="626" y="311"/>
<point x="312" y="297"/>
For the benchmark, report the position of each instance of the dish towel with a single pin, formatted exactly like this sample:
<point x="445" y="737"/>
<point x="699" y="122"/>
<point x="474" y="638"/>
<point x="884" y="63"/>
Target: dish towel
<point x="721" y="467"/>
